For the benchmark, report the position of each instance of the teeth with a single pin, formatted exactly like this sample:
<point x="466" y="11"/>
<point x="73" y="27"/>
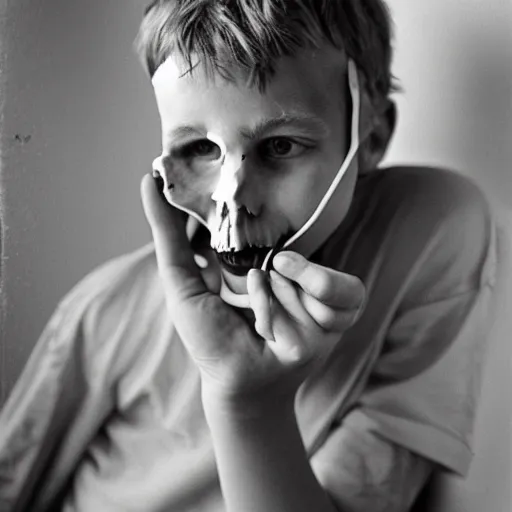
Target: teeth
<point x="233" y="231"/>
<point x="245" y="258"/>
<point x="234" y="240"/>
<point x="269" y="238"/>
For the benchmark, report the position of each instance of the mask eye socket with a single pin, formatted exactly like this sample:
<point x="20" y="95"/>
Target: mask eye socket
<point x="203" y="149"/>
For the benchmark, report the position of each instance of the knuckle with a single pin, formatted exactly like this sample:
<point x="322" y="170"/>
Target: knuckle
<point x="327" y="318"/>
<point x="320" y="285"/>
<point x="296" y="353"/>
<point x="299" y="355"/>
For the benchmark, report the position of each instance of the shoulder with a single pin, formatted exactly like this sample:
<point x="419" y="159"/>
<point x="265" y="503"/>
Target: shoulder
<point x="433" y="193"/>
<point x="108" y="309"/>
<point x="439" y="221"/>
<point x="113" y="281"/>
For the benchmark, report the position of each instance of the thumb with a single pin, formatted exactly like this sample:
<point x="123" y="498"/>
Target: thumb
<point x="181" y="277"/>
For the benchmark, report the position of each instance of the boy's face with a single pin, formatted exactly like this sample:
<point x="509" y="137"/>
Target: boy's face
<point x="283" y="146"/>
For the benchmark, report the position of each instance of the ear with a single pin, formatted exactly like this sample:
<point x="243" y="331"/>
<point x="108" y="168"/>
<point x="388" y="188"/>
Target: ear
<point x="376" y="145"/>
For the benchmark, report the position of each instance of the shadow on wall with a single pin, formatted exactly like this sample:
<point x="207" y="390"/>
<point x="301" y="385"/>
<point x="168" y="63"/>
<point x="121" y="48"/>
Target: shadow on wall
<point x="3" y="299"/>
<point x="456" y="110"/>
<point x="486" y="75"/>
<point x="72" y="200"/>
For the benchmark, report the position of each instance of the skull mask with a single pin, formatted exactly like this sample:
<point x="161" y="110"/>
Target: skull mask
<point x="205" y="187"/>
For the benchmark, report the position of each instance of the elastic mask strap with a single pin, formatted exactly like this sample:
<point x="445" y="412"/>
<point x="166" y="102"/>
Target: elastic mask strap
<point x="354" y="146"/>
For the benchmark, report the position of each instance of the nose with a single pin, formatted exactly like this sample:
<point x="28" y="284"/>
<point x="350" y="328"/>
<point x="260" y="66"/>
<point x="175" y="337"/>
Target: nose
<point x="235" y="185"/>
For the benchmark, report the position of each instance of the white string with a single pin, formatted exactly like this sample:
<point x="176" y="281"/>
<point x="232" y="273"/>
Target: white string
<point x="242" y="300"/>
<point x="354" y="146"/>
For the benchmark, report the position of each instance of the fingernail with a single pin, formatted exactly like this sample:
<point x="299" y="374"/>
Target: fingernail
<point x="284" y="259"/>
<point x="201" y="261"/>
<point x="252" y="275"/>
<point x="253" y="272"/>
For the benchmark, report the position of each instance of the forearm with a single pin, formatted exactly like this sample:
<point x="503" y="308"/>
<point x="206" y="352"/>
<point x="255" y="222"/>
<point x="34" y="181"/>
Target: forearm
<point x="262" y="462"/>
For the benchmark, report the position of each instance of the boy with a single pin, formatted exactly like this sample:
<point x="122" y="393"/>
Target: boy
<point x="353" y="373"/>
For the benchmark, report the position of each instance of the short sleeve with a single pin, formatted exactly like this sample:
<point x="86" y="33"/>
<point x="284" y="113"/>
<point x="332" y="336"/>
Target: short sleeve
<point x="432" y="412"/>
<point x="424" y="389"/>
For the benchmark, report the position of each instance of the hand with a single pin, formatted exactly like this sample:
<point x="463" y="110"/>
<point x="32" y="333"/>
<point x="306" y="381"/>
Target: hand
<point x="300" y="313"/>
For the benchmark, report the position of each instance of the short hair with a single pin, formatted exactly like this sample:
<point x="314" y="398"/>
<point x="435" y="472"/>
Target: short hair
<point x="252" y="35"/>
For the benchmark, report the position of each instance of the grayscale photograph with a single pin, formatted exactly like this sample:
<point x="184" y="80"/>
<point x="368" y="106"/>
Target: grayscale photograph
<point x="255" y="256"/>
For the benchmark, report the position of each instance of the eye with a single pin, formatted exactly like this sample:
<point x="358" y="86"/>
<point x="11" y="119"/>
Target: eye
<point x="203" y="148"/>
<point x="281" y="147"/>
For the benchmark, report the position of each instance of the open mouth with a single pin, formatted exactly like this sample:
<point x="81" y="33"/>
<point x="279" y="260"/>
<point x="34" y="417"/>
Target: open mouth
<point x="240" y="262"/>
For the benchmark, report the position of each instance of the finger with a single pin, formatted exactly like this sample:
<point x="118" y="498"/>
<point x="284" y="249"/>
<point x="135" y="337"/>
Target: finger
<point x="272" y="322"/>
<point x="290" y="323"/>
<point x="181" y="276"/>
<point x="343" y="291"/>
<point x="287" y="295"/>
<point x="211" y="276"/>
<point x="328" y="318"/>
<point x="203" y="256"/>
<point x="260" y="301"/>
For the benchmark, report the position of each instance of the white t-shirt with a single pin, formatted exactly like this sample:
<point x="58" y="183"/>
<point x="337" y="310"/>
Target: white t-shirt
<point x="107" y="414"/>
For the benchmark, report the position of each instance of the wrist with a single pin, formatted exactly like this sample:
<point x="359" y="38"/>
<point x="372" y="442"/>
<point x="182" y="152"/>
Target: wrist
<point x="241" y="407"/>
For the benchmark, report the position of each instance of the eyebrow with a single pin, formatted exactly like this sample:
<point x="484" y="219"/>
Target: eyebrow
<point x="299" y="120"/>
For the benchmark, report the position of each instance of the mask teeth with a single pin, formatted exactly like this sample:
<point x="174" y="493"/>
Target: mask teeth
<point x="217" y="238"/>
<point x="226" y="236"/>
<point x="224" y="233"/>
<point x="257" y="235"/>
<point x="232" y="231"/>
<point x="246" y="229"/>
<point x="216" y="226"/>
<point x="268" y="239"/>
<point x="254" y="234"/>
<point x="253" y="237"/>
<point x="263" y="236"/>
<point x="233" y="236"/>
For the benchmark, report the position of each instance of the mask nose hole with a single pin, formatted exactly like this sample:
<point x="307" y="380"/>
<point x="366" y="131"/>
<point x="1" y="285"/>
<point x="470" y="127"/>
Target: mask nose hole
<point x="161" y="181"/>
<point x="160" y="173"/>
